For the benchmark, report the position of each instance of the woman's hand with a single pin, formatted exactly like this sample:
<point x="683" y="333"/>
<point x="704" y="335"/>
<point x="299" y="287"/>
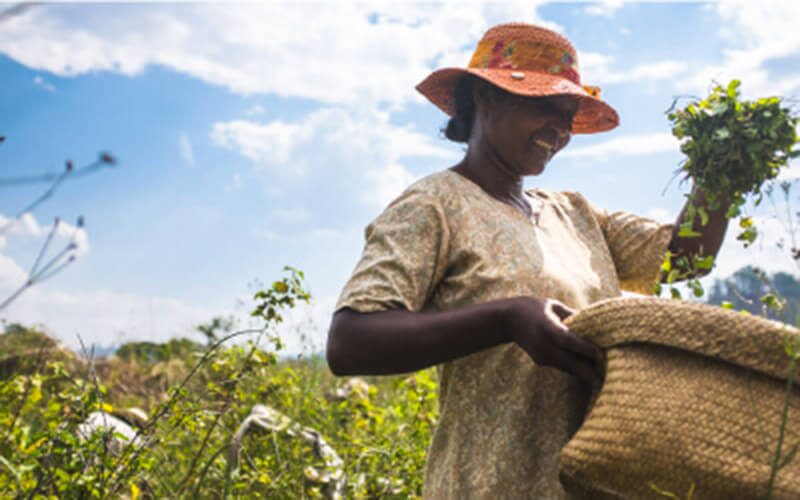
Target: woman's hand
<point x="536" y="325"/>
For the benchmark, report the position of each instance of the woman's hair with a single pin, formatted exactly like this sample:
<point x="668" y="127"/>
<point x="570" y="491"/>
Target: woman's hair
<point x="459" y="127"/>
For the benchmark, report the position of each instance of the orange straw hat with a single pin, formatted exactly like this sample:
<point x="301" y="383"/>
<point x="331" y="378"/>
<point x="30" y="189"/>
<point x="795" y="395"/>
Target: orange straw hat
<point x="530" y="61"/>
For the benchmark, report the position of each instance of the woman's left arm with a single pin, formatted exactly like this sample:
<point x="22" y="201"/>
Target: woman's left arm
<point x="711" y="235"/>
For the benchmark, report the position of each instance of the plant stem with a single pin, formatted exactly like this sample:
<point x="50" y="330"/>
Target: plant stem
<point x="784" y="419"/>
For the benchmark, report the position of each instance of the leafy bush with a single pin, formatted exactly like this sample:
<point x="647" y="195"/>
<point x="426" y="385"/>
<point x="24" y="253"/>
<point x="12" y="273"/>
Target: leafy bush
<point x="196" y="400"/>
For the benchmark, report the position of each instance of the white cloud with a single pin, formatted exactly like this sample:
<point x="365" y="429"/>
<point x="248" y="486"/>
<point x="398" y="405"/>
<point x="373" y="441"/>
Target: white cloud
<point x="759" y="33"/>
<point x="263" y="143"/>
<point x="634" y="145"/>
<point x="28" y="227"/>
<point x="255" y="110"/>
<point x="11" y="276"/>
<point x="103" y="317"/>
<point x="337" y="55"/>
<point x="597" y="69"/>
<point x="359" y="149"/>
<point x="187" y="152"/>
<point x="605" y="8"/>
<point x="38" y="80"/>
<point x="106" y="318"/>
<point x="661" y="215"/>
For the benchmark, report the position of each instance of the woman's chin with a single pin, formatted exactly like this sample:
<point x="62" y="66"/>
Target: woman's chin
<point x="534" y="168"/>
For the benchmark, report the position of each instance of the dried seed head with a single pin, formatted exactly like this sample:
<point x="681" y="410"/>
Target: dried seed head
<point x="80" y="221"/>
<point x="69" y="165"/>
<point x="107" y="158"/>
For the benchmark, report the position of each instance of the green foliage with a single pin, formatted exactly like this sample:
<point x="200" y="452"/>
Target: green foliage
<point x="186" y="448"/>
<point x="218" y="327"/>
<point x="733" y="149"/>
<point x="733" y="146"/>
<point x="153" y="352"/>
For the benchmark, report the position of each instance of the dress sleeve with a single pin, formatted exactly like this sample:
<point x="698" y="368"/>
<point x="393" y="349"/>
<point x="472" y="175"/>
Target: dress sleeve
<point x="638" y="247"/>
<point x="404" y="257"/>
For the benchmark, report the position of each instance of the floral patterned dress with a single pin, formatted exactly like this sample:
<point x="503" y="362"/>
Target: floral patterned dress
<point x="445" y="244"/>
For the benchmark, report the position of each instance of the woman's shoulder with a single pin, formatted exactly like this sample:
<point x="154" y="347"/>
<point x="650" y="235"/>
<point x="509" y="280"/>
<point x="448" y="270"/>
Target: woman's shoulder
<point x="437" y="183"/>
<point x="440" y="187"/>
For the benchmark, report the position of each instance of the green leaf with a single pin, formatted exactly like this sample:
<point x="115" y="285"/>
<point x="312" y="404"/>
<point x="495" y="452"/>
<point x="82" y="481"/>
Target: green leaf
<point x="673" y="276"/>
<point x="722" y="133"/>
<point x="719" y="109"/>
<point x="727" y="305"/>
<point x="733" y="88"/>
<point x="704" y="262"/>
<point x="769" y="300"/>
<point x="686" y="232"/>
<point x="703" y="216"/>
<point x="789" y="345"/>
<point x="675" y="293"/>
<point x="733" y="211"/>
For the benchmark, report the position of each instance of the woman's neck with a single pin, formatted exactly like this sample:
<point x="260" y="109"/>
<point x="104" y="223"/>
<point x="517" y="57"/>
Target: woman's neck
<point x="485" y="168"/>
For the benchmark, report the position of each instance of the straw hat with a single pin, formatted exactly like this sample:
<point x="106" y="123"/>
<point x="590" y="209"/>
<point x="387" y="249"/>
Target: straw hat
<point x="526" y="60"/>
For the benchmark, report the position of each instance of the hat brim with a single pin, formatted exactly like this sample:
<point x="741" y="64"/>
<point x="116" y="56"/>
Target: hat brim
<point x="593" y="114"/>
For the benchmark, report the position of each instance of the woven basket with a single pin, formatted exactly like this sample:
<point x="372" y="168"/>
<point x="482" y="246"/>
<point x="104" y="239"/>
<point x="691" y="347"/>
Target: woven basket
<point x="693" y="398"/>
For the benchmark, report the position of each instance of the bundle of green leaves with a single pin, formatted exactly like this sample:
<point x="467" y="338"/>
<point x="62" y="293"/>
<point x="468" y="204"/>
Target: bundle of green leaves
<point x="733" y="147"/>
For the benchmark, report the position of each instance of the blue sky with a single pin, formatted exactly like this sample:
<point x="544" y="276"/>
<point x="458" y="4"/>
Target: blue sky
<point x="254" y="136"/>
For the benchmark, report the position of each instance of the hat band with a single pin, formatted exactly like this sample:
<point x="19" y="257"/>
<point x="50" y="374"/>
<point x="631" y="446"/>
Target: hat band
<point x="526" y="55"/>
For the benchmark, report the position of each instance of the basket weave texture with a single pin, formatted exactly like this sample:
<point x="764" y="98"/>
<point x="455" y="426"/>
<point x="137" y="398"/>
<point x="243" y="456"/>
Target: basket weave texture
<point x="693" y="398"/>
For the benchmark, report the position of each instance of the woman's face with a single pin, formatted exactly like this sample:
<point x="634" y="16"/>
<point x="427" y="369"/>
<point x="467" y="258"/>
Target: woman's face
<point x="526" y="132"/>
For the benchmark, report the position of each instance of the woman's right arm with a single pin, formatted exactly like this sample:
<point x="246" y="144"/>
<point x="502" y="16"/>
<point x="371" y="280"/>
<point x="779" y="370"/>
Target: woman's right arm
<point x="400" y="341"/>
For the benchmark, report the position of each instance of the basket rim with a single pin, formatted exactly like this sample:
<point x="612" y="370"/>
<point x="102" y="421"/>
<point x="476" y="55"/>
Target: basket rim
<point x="747" y="341"/>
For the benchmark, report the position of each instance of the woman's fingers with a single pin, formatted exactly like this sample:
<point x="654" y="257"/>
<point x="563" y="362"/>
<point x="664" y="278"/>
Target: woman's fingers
<point x="577" y="366"/>
<point x="567" y="340"/>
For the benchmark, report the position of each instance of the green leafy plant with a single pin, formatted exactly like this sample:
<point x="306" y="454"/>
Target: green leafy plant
<point x="733" y="147"/>
<point x="190" y="445"/>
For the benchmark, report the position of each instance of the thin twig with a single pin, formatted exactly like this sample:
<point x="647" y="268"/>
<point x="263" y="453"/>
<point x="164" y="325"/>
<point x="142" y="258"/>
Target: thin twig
<point x="16" y="294"/>
<point x="57" y="270"/>
<point x="784" y="419"/>
<point x="103" y="161"/>
<point x="44" y="247"/>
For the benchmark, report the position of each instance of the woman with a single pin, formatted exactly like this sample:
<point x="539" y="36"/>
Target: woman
<point x="468" y="272"/>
